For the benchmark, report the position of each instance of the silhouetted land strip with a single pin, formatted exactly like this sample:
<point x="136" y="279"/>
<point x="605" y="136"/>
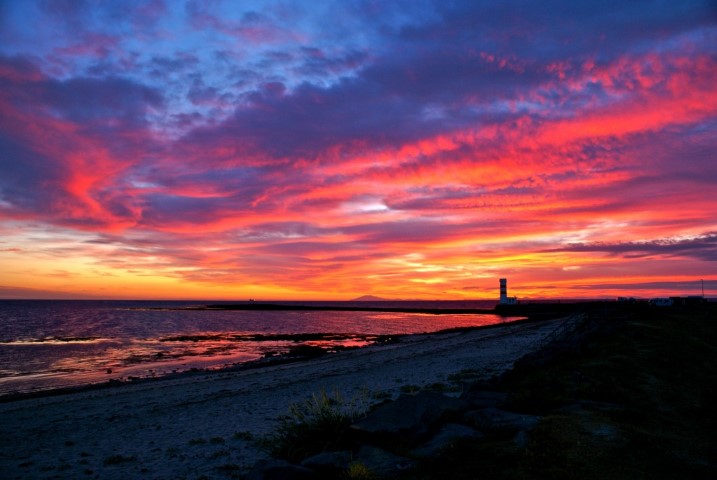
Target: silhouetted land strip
<point x="537" y="310"/>
<point x="341" y="308"/>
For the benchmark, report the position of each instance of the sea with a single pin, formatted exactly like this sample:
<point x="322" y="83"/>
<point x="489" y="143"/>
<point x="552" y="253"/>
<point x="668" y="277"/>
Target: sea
<point x="53" y="344"/>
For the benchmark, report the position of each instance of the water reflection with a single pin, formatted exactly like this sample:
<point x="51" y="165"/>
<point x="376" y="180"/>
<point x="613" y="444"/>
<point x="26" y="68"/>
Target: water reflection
<point x="53" y="344"/>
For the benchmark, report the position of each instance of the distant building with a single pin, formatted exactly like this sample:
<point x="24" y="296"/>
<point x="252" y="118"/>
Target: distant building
<point x="688" y="301"/>
<point x="504" y="298"/>
<point x="662" y="302"/>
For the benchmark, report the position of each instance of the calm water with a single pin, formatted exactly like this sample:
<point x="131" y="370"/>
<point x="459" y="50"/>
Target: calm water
<point x="51" y="344"/>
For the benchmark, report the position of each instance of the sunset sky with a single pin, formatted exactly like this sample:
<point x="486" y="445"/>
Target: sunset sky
<point x="330" y="149"/>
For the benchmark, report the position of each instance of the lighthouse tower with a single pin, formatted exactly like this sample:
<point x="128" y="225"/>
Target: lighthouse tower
<point x="504" y="298"/>
<point x="503" y="290"/>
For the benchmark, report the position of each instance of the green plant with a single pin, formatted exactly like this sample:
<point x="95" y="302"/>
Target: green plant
<point x="358" y="471"/>
<point x="316" y="425"/>
<point x="410" y="389"/>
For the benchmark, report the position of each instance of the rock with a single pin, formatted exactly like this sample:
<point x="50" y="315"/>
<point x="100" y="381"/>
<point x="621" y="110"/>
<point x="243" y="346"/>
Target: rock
<point x="279" y="470"/>
<point x="328" y="462"/>
<point x="446" y="438"/>
<point x="410" y="417"/>
<point x="584" y="406"/>
<point x="590" y="416"/>
<point x="477" y="399"/>
<point x="494" y="420"/>
<point x="382" y="463"/>
<point x="521" y="439"/>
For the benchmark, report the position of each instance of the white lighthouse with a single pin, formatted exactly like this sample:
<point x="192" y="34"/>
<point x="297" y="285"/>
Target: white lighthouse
<point x="504" y="298"/>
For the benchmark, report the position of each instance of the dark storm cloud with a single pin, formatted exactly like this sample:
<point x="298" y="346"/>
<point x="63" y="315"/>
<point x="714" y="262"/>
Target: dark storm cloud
<point x="317" y="63"/>
<point x="703" y="247"/>
<point x="688" y="287"/>
<point x="371" y="108"/>
<point x="81" y="15"/>
<point x="556" y="29"/>
<point x="162" y="66"/>
<point x="25" y="175"/>
<point x="418" y="231"/>
<point x="448" y="74"/>
<point x="86" y="100"/>
<point x="60" y="131"/>
<point x="80" y="100"/>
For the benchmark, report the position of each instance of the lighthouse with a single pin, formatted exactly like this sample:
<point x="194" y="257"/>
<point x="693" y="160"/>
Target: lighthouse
<point x="504" y="298"/>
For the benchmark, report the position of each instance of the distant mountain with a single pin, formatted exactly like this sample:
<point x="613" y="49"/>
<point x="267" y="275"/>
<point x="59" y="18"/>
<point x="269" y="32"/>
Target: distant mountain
<point x="368" y="298"/>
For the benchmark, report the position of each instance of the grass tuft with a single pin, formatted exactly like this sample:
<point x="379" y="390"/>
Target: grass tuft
<point x="358" y="471"/>
<point x="317" y="425"/>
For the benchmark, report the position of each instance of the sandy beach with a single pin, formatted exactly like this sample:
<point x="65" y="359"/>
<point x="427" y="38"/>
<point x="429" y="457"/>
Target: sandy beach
<point x="202" y="425"/>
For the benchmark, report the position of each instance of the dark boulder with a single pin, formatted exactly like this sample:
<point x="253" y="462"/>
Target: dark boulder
<point x="279" y="470"/>
<point x="329" y="462"/>
<point x="382" y="463"/>
<point x="477" y="399"/>
<point x="409" y="418"/>
<point x="446" y="438"/>
<point x="494" y="420"/>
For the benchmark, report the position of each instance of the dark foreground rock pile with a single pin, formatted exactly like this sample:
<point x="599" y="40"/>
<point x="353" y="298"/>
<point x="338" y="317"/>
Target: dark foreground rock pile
<point x="396" y="435"/>
<point x="616" y="392"/>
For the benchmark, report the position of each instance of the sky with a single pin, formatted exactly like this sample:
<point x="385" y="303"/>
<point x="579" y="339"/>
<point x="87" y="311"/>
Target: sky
<point x="330" y="149"/>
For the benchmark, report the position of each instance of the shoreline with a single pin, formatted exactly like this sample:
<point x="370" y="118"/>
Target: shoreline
<point x="263" y="362"/>
<point x="529" y="309"/>
<point x="200" y="424"/>
<point x="532" y="312"/>
<point x="35" y="361"/>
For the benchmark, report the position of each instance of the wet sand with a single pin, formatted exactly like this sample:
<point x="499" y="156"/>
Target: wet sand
<point x="200" y="425"/>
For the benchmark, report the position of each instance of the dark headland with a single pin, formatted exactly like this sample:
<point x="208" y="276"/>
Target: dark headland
<point x="337" y="308"/>
<point x="535" y="310"/>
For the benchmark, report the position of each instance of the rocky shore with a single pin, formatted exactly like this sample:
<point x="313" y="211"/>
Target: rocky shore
<point x="396" y="435"/>
<point x="620" y="391"/>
